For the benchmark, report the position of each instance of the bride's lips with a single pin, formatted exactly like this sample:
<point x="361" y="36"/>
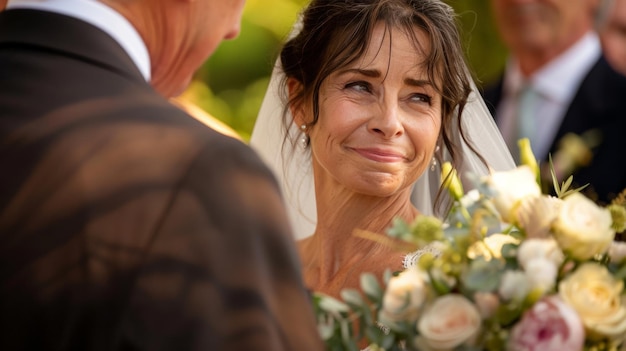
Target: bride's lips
<point x="380" y="155"/>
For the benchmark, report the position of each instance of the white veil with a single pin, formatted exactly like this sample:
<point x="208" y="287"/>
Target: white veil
<point x="292" y="166"/>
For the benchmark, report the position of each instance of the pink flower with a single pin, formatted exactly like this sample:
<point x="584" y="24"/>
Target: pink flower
<point x="550" y="325"/>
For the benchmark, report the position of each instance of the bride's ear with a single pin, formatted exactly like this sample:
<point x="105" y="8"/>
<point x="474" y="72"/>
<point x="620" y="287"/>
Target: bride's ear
<point x="296" y="107"/>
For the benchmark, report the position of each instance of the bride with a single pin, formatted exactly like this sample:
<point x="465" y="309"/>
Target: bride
<point x="367" y="99"/>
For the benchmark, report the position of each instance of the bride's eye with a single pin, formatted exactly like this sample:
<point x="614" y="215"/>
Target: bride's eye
<point x="421" y="98"/>
<point x="359" y="86"/>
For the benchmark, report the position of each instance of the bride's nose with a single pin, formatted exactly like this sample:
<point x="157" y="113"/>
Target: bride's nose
<point x="386" y="121"/>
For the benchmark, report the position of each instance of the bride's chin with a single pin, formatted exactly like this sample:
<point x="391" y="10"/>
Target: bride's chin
<point x="381" y="184"/>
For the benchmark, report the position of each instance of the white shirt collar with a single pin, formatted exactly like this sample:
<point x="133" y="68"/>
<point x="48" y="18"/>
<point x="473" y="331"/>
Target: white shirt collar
<point x="101" y="16"/>
<point x="559" y="80"/>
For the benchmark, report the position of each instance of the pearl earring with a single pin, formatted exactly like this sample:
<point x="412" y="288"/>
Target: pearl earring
<point x="433" y="162"/>
<point x="304" y="141"/>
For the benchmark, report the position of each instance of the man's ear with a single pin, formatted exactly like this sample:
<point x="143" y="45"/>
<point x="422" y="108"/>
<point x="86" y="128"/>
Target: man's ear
<point x="294" y="88"/>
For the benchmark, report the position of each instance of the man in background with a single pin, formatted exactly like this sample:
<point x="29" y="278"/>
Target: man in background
<point x="559" y="91"/>
<point x="613" y="34"/>
<point x="125" y="223"/>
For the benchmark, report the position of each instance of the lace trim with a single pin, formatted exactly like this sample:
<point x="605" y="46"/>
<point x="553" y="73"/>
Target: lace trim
<point x="410" y="259"/>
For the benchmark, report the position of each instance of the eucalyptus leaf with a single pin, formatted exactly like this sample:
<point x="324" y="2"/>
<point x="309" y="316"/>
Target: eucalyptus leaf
<point x="352" y="297"/>
<point x="387" y="341"/>
<point x="371" y="288"/>
<point x="399" y="228"/>
<point x="326" y="331"/>
<point x="332" y="305"/>
<point x="374" y="334"/>
<point x="387" y="275"/>
<point x="483" y="275"/>
<point x="346" y="332"/>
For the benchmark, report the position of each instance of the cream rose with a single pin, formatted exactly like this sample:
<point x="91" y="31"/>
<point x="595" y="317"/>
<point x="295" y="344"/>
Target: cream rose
<point x="582" y="228"/>
<point x="547" y="248"/>
<point x="450" y="321"/>
<point x="404" y="296"/>
<point x="597" y="298"/>
<point x="510" y="188"/>
<point x="536" y="214"/>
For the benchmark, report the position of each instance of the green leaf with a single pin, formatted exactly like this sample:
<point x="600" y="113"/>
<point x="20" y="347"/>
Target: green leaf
<point x="326" y="331"/>
<point x="508" y="313"/>
<point x="371" y="288"/>
<point x="332" y="305"/>
<point x="346" y="332"/>
<point x="567" y="183"/>
<point x="483" y="275"/>
<point x="387" y="341"/>
<point x="440" y="287"/>
<point x="352" y="297"/>
<point x="387" y="276"/>
<point x="399" y="228"/>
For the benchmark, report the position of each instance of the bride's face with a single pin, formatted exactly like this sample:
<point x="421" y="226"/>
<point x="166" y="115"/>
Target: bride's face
<point x="379" y="118"/>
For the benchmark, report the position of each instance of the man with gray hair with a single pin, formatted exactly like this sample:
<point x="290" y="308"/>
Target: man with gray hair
<point x="559" y="91"/>
<point x="126" y="224"/>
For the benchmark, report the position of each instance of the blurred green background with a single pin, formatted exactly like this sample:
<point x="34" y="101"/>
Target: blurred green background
<point x="231" y="84"/>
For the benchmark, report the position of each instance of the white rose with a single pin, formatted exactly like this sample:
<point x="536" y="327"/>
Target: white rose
<point x="547" y="248"/>
<point x="582" y="228"/>
<point x="536" y="214"/>
<point x="404" y="296"/>
<point x="617" y="251"/>
<point x="510" y="188"/>
<point x="514" y="285"/>
<point x="450" y="321"/>
<point x="541" y="274"/>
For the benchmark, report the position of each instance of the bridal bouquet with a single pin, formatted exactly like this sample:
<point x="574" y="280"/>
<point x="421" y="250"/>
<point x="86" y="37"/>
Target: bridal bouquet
<point x="508" y="269"/>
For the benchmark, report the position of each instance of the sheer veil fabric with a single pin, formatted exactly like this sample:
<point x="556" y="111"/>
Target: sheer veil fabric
<point x="292" y="163"/>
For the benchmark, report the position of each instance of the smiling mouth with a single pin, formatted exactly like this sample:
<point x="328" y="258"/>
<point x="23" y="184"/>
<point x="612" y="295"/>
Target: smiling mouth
<point x="380" y="155"/>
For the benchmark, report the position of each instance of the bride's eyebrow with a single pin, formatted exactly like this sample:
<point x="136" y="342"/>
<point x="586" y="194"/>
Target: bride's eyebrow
<point x="366" y="72"/>
<point x="417" y="82"/>
<point x="373" y="73"/>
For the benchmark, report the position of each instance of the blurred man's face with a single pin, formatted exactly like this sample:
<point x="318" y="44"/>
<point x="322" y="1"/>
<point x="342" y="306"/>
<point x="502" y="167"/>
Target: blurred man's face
<point x="613" y="36"/>
<point x="538" y="25"/>
<point x="3" y="4"/>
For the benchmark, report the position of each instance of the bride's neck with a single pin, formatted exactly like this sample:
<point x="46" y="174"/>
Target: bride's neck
<point x="340" y="216"/>
<point x="337" y="243"/>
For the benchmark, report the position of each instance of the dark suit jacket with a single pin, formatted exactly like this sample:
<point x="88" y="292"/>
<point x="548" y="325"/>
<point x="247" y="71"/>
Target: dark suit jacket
<point x="125" y="224"/>
<point x="598" y="104"/>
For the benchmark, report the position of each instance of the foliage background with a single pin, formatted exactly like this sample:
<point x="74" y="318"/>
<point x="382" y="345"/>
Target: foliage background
<point x="231" y="85"/>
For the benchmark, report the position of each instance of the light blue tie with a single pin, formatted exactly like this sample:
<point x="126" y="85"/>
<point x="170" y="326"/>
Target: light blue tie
<point x="525" y="124"/>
